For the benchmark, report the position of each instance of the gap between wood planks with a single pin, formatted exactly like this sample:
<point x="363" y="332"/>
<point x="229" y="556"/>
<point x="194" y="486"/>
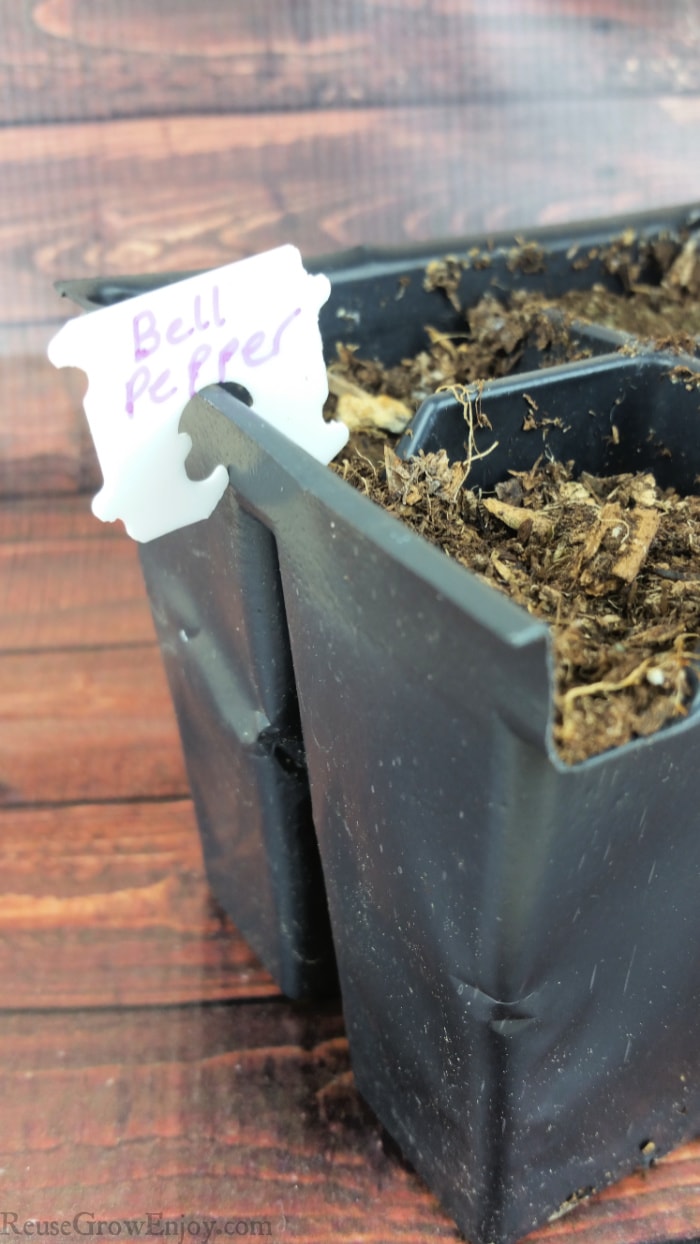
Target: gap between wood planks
<point x="182" y="193"/>
<point x="179" y="193"/>
<point x="68" y="60"/>
<point x="106" y="906"/>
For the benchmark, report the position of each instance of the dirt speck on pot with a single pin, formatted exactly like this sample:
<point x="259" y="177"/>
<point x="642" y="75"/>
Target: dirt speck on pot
<point x="445" y="274"/>
<point x="576" y="1198"/>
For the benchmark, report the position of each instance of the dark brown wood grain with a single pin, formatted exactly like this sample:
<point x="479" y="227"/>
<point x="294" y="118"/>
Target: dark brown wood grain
<point x="85" y="713"/>
<point x="230" y="1111"/>
<point x="69" y="581"/>
<point x="660" y="1204"/>
<point x="30" y="520"/>
<point x="193" y="192"/>
<point x="106" y="905"/>
<point x="217" y="1112"/>
<point x="117" y="885"/>
<point x="85" y="725"/>
<point x="147" y="1062"/>
<point x="40" y="440"/>
<point x="75" y="60"/>
<point x="238" y="1112"/>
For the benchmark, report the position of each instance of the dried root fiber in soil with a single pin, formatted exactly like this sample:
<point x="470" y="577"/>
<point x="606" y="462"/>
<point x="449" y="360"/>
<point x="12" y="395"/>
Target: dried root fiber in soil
<point x="496" y="331"/>
<point x="366" y="395"/>
<point x="613" y="565"/>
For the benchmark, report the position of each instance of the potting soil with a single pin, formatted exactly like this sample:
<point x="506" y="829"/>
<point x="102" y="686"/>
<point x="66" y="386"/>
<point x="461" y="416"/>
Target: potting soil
<point x="612" y="564"/>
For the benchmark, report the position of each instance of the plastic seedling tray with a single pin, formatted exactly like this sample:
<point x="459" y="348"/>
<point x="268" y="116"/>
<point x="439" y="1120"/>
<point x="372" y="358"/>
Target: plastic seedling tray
<point x="517" y="939"/>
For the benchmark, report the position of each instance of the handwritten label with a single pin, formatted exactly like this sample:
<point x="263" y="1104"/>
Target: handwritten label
<point x="253" y="323"/>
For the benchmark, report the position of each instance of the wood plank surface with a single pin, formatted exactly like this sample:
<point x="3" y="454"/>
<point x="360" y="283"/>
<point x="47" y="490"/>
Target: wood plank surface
<point x="234" y="1112"/>
<point x="87" y="725"/>
<point x="108" y="905"/>
<point x="112" y="883"/>
<point x="147" y="1062"/>
<point x="27" y="519"/>
<point x="241" y="1113"/>
<point x="73" y="59"/>
<point x="45" y="446"/>
<point x="193" y="192"/>
<point x="40" y="441"/>
<point x="217" y="1110"/>
<point x="68" y="580"/>
<point x="167" y="194"/>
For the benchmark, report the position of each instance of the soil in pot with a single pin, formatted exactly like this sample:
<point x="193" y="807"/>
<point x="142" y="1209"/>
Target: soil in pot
<point x="501" y="330"/>
<point x="612" y="564"/>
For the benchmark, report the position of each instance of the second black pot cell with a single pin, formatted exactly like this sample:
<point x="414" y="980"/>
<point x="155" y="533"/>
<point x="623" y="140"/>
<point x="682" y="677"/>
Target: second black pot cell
<point x="616" y="414"/>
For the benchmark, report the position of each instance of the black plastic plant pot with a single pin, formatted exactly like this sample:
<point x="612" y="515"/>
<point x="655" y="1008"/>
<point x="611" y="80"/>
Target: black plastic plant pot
<point x="368" y="729"/>
<point x="216" y="595"/>
<point x="517" y="939"/>
<point x="217" y="604"/>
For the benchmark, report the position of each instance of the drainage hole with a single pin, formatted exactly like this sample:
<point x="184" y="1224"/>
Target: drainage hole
<point x="239" y="391"/>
